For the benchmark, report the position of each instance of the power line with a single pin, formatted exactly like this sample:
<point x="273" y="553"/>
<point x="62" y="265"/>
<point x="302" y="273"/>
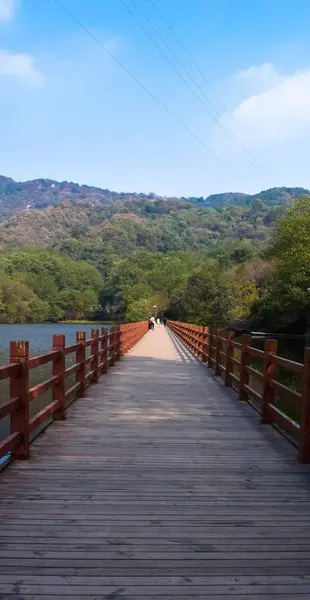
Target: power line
<point x="239" y="145"/>
<point x="194" y="62"/>
<point x="142" y="85"/>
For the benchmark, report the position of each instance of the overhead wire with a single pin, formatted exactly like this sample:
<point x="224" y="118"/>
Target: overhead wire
<point x="142" y="85"/>
<point x="200" y="71"/>
<point x="239" y="144"/>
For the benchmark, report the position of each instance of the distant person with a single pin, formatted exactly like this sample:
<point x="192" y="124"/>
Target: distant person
<point x="151" y="324"/>
<point x="158" y="322"/>
<point x="165" y="321"/>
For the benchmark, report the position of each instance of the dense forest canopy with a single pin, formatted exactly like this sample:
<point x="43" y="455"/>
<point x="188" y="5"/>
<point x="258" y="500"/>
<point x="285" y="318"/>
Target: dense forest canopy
<point x="45" y="286"/>
<point x="229" y="259"/>
<point x="157" y="225"/>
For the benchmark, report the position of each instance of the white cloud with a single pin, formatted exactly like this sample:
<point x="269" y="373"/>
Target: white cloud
<point x="7" y="9"/>
<point x="19" y="65"/>
<point x="280" y="112"/>
<point x="259" y="77"/>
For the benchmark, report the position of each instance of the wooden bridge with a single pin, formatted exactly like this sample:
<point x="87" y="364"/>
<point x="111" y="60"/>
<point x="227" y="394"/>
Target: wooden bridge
<point x="160" y="483"/>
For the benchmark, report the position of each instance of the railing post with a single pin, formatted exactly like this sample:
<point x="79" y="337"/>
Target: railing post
<point x="193" y="340"/>
<point x="304" y="438"/>
<point x="19" y="388"/>
<point x="211" y="332"/>
<point x="245" y="341"/>
<point x="270" y="369"/>
<point x="112" y="342"/>
<point x="217" y="353"/>
<point x="118" y="342"/>
<point x="122" y="339"/>
<point x="229" y="356"/>
<point x="188" y="342"/>
<point x="59" y="368"/>
<point x="205" y="333"/>
<point x="104" y="349"/>
<point x="197" y="341"/>
<point x="80" y="358"/>
<point x="201" y="342"/>
<point x="95" y="352"/>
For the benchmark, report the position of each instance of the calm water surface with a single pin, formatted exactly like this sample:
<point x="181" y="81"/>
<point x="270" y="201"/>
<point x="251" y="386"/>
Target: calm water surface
<point x="40" y="336"/>
<point x="40" y="339"/>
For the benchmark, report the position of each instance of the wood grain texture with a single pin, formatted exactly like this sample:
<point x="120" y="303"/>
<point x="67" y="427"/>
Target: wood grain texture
<point x="159" y="484"/>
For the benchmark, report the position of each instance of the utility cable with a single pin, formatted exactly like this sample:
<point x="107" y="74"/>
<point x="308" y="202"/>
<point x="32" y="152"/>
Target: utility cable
<point x="194" y="62"/>
<point x="142" y="85"/>
<point x="241" y="147"/>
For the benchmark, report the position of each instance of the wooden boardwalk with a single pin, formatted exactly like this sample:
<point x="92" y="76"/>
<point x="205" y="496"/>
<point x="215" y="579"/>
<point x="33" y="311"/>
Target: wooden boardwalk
<point x="160" y="485"/>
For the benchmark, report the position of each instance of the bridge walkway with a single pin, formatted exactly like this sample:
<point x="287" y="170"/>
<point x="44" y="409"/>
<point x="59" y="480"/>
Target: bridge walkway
<point x="160" y="485"/>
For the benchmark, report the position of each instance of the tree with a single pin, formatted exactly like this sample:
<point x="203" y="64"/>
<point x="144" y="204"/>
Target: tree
<point x="208" y="298"/>
<point x="138" y="310"/>
<point x="287" y="299"/>
<point x="18" y="303"/>
<point x="53" y="285"/>
<point x="77" y="304"/>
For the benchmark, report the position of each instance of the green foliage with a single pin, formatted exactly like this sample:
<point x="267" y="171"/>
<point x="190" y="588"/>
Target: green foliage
<point x="97" y="232"/>
<point x="146" y="279"/>
<point x="287" y="298"/>
<point x="138" y="310"/>
<point x="76" y="304"/>
<point x="42" y="285"/>
<point x="16" y="197"/>
<point x="223" y="260"/>
<point x="207" y="298"/>
<point x="18" y="303"/>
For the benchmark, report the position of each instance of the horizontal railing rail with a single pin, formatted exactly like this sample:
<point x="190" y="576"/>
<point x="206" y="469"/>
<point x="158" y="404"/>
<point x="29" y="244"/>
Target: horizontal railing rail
<point x="259" y="377"/>
<point x="91" y="358"/>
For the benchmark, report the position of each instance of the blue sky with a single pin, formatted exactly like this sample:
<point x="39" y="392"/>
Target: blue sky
<point x="69" y="111"/>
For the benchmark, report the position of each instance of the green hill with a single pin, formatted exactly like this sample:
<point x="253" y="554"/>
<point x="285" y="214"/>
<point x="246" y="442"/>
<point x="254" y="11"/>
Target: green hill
<point x="16" y="197"/>
<point x="272" y="197"/>
<point x="157" y="225"/>
<point x="48" y="213"/>
<point x="70" y="251"/>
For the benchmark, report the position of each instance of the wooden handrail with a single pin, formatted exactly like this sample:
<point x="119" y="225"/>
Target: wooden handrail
<point x="8" y="407"/>
<point x="104" y="350"/>
<point x="8" y="371"/>
<point x="231" y="359"/>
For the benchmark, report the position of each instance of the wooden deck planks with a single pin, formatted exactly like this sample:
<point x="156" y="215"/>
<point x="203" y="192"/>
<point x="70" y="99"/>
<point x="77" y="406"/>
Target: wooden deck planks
<point x="159" y="484"/>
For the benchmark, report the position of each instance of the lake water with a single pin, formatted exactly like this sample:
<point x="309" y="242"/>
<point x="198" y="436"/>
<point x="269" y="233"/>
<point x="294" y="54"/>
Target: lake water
<point x="40" y="336"/>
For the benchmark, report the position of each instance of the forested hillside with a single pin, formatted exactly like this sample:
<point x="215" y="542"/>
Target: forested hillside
<point x="230" y="259"/>
<point x="17" y="196"/>
<point x="271" y="197"/>
<point x="157" y="225"/>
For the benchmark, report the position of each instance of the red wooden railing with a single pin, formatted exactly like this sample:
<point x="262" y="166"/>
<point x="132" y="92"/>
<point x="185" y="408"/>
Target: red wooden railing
<point x="258" y="383"/>
<point x="92" y="358"/>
